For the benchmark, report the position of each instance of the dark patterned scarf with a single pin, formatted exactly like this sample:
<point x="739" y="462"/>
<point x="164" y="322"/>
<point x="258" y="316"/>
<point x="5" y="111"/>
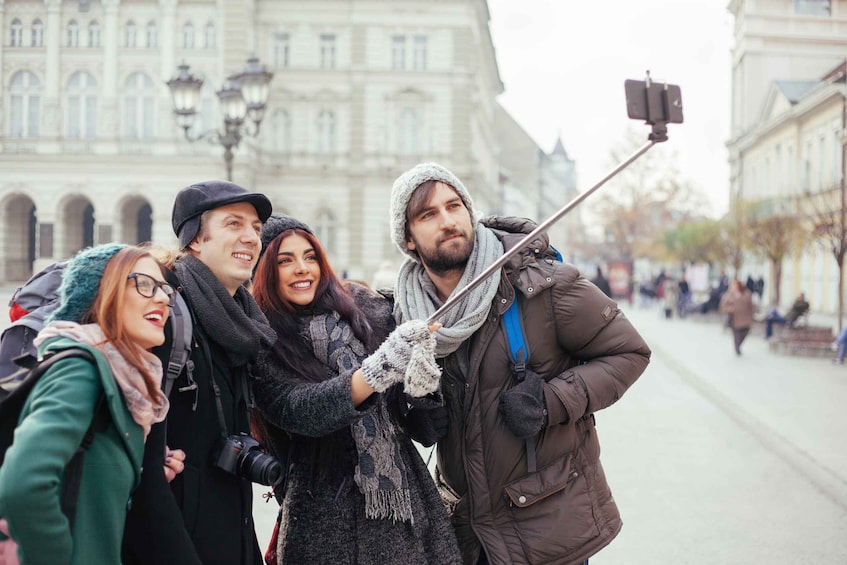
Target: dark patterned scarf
<point x="234" y="323"/>
<point x="380" y="472"/>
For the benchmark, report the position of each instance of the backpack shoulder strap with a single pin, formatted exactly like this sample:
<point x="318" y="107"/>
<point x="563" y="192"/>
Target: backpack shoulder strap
<point x="513" y="326"/>
<point x="183" y="329"/>
<point x="74" y="469"/>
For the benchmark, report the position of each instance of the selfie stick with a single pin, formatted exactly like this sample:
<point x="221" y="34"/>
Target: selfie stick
<point x="658" y="135"/>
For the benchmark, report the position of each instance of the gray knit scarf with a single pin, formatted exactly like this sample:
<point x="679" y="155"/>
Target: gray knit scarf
<point x="380" y="472"/>
<point x="234" y="323"/>
<point x="416" y="297"/>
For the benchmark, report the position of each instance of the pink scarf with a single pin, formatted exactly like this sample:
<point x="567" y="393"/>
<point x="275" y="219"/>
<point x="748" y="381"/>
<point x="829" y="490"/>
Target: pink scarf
<point x="145" y="411"/>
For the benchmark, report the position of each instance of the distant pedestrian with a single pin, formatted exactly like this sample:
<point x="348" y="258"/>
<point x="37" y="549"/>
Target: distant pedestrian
<point x="841" y="344"/>
<point x="602" y="282"/>
<point x="751" y="284"/>
<point x="737" y="302"/>
<point x="670" y="296"/>
<point x="760" y="288"/>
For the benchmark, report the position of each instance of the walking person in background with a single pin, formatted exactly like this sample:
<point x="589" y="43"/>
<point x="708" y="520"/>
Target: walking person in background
<point x="520" y="459"/>
<point x="670" y="296"/>
<point x="330" y="399"/>
<point x="602" y="282"/>
<point x="114" y="304"/>
<point x="737" y="303"/>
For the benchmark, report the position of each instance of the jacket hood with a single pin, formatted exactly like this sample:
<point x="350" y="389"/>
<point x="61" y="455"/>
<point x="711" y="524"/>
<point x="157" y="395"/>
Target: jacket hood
<point x="522" y="268"/>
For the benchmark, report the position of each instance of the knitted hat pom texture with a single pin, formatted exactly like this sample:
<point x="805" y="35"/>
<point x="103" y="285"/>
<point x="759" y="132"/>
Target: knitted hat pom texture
<point x="81" y="281"/>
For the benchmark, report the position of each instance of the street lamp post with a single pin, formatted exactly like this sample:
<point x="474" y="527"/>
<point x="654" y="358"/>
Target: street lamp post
<point x="243" y="95"/>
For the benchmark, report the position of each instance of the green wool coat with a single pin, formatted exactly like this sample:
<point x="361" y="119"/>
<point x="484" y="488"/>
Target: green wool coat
<point x="53" y="422"/>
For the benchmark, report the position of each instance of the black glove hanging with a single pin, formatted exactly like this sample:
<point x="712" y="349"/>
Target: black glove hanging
<point x="523" y="407"/>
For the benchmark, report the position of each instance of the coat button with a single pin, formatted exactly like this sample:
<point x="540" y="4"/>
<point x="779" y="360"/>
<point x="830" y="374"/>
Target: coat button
<point x="522" y="499"/>
<point x="502" y="301"/>
<point x="529" y="289"/>
<point x="126" y="434"/>
<point x="129" y="505"/>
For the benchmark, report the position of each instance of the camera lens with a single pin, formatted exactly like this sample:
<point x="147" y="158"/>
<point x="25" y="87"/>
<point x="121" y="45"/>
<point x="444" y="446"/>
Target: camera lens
<point x="260" y="467"/>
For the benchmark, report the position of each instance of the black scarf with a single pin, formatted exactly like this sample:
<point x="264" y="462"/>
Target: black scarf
<point x="234" y="323"/>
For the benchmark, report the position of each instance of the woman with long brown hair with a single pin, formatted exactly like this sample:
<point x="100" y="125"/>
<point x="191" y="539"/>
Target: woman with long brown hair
<point x="114" y="304"/>
<point x="329" y="394"/>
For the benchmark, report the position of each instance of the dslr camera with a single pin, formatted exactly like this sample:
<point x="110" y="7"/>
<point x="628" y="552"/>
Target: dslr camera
<point x="244" y="456"/>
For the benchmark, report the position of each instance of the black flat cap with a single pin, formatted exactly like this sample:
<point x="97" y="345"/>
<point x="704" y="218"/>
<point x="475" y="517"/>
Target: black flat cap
<point x="193" y="200"/>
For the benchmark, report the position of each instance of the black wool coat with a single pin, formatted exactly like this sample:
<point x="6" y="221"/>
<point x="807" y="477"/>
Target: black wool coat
<point x="323" y="514"/>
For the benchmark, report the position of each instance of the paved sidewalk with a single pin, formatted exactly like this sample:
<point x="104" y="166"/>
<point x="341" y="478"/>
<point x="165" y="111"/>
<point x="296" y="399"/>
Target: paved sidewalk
<point x="797" y="399"/>
<point x="715" y="458"/>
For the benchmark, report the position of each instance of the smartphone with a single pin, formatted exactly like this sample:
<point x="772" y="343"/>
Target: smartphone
<point x="658" y="102"/>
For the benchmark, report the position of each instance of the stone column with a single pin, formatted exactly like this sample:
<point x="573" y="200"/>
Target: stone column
<point x="108" y="118"/>
<point x="51" y="121"/>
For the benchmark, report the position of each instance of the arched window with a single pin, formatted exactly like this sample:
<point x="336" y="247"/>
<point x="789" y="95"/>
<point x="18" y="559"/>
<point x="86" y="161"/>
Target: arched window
<point x="82" y="105"/>
<point x="16" y="33"/>
<point x="24" y="104"/>
<point x="188" y="35"/>
<point x="152" y="35"/>
<point x="409" y="132"/>
<point x="130" y="34"/>
<point x="37" y="34"/>
<point x="94" y="34"/>
<point x="326" y="132"/>
<point x="282" y="131"/>
<point x="139" y="107"/>
<point x="211" y="36"/>
<point x="73" y="34"/>
<point x="325" y="231"/>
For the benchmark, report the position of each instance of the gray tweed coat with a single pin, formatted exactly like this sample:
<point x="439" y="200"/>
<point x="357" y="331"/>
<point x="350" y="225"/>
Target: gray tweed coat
<point x="323" y="513"/>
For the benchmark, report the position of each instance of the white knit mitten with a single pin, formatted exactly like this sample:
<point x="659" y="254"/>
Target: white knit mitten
<point x="423" y="375"/>
<point x="387" y="365"/>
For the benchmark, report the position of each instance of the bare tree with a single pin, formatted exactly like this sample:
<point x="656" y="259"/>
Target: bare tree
<point x="826" y="210"/>
<point x="774" y="233"/>
<point x="642" y="201"/>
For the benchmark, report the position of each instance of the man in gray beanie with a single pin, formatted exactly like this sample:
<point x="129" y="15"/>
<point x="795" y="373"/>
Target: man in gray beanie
<point x="207" y="515"/>
<point x="520" y="456"/>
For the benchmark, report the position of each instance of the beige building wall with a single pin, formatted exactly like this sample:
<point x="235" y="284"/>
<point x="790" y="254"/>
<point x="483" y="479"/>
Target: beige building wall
<point x="351" y="107"/>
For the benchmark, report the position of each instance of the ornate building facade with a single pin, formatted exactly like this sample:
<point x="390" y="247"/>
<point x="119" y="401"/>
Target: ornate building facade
<point x="789" y="128"/>
<point x="90" y="151"/>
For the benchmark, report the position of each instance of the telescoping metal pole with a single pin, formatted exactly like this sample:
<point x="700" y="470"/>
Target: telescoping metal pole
<point x="454" y="299"/>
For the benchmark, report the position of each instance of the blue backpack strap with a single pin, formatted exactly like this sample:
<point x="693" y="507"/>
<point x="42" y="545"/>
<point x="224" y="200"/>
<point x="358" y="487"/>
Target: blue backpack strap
<point x="520" y="356"/>
<point x="515" y="337"/>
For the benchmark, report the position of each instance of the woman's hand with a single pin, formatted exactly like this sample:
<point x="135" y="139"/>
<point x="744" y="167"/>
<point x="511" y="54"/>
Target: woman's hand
<point x="174" y="463"/>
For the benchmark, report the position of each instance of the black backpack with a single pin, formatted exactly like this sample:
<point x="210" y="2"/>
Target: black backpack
<point x="39" y="296"/>
<point x="16" y="388"/>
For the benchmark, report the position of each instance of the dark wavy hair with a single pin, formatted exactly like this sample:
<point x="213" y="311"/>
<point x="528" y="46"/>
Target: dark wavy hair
<point x="330" y="296"/>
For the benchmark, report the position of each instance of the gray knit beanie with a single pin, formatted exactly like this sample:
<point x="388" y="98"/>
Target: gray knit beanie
<point x="81" y="281"/>
<point x="405" y="186"/>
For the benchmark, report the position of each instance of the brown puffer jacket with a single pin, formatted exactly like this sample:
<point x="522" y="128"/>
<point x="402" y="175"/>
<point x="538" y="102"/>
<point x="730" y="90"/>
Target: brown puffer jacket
<point x="589" y="354"/>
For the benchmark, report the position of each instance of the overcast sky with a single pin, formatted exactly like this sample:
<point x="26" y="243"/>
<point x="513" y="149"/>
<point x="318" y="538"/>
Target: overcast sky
<point x="563" y="64"/>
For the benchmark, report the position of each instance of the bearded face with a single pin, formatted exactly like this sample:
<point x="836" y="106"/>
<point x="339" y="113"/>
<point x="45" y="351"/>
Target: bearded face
<point x="442" y="232"/>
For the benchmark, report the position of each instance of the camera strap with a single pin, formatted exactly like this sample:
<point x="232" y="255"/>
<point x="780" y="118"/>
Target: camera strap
<point x="216" y="390"/>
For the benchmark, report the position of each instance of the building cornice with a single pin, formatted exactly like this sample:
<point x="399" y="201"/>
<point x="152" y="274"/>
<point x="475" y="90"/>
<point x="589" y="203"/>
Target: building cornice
<point x="807" y="105"/>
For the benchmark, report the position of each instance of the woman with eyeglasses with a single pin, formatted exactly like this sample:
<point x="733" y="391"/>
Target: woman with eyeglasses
<point x="114" y="304"/>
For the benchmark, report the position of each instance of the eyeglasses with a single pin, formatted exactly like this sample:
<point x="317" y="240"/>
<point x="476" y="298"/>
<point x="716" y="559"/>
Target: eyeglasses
<point x="147" y="285"/>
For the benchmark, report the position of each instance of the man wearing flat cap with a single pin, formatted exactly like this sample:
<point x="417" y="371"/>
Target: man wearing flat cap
<point x="208" y="517"/>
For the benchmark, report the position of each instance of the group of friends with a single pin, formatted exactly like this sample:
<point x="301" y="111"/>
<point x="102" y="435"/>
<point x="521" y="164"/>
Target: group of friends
<point x="336" y="380"/>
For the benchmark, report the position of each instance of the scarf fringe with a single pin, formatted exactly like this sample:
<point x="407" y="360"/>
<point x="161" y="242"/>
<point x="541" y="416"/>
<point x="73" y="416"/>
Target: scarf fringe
<point x="394" y="505"/>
